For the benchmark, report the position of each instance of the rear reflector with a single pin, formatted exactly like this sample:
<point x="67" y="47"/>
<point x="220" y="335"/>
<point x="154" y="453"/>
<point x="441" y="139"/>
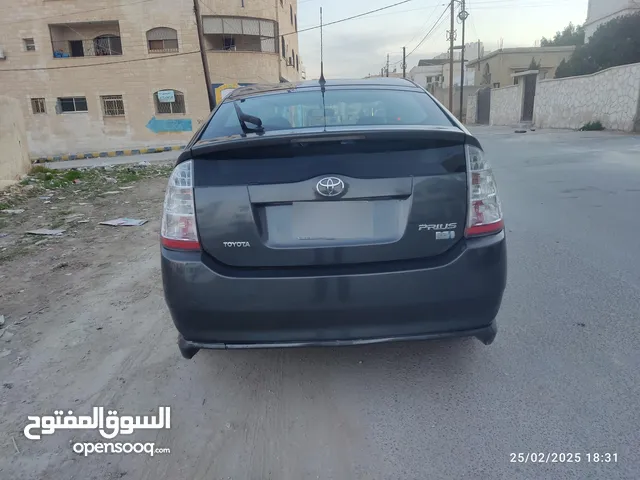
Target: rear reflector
<point x="485" y="211"/>
<point x="179" y="230"/>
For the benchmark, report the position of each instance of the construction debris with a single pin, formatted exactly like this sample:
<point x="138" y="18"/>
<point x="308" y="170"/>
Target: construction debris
<point x="45" y="231"/>
<point x="124" y="222"/>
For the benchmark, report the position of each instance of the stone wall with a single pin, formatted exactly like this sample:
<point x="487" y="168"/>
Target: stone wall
<point x="442" y="94"/>
<point x="14" y="154"/>
<point x="506" y="105"/>
<point x="610" y="96"/>
<point x="472" y="108"/>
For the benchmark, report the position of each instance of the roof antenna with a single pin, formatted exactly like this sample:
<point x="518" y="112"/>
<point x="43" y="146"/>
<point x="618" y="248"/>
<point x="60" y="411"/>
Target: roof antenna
<point x="322" y="80"/>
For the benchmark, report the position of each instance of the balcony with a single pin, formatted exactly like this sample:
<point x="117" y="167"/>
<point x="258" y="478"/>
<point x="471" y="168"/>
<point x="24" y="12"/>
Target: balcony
<point x="239" y="34"/>
<point x="87" y="39"/>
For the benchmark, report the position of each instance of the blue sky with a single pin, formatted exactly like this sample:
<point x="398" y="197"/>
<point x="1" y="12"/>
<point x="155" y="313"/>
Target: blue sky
<point x="359" y="47"/>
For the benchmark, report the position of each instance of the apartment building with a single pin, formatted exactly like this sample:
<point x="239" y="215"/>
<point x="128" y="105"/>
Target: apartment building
<point x="118" y="74"/>
<point x="602" y="11"/>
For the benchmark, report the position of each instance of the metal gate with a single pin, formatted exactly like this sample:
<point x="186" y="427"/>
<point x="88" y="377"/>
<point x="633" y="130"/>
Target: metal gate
<point x="529" y="97"/>
<point x="484" y="106"/>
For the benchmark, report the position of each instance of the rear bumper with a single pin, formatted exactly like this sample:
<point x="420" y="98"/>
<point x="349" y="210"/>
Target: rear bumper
<point x="250" y="309"/>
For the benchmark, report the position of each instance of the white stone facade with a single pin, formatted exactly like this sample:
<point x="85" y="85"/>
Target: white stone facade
<point x="506" y="105"/>
<point x="472" y="108"/>
<point x="611" y="97"/>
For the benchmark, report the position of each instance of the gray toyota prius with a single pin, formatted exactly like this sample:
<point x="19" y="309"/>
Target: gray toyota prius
<point x="328" y="213"/>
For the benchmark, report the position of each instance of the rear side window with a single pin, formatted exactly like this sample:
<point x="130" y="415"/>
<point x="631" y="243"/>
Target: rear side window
<point x="348" y="107"/>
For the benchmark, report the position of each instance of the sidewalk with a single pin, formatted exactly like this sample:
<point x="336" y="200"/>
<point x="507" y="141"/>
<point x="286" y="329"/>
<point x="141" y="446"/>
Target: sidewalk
<point x="104" y="161"/>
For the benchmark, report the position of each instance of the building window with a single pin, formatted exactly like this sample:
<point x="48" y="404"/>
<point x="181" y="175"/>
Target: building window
<point x="38" y="105"/>
<point x="296" y="22"/>
<point x="162" y="39"/>
<point x="229" y="43"/>
<point x="72" y="104"/>
<point x="291" y="13"/>
<point x="240" y="34"/>
<point x="29" y="44"/>
<point x="169" y="107"/>
<point x="292" y="60"/>
<point x="282" y="3"/>
<point x="107" y="45"/>
<point x="112" y="106"/>
<point x="284" y="49"/>
<point x="85" y="39"/>
<point x="496" y="85"/>
<point x="297" y="63"/>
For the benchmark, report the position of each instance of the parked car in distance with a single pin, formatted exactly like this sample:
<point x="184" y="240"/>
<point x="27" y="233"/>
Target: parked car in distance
<point x="281" y="230"/>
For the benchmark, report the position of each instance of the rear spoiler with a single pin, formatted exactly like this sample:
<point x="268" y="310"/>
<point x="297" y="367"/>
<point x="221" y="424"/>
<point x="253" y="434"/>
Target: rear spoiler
<point x="313" y="135"/>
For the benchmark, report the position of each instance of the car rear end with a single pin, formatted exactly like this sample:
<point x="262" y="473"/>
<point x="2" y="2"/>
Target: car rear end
<point x="362" y="231"/>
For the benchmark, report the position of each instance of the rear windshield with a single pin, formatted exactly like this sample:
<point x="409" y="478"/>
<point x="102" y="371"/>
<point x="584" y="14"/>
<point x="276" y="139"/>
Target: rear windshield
<point x="301" y="109"/>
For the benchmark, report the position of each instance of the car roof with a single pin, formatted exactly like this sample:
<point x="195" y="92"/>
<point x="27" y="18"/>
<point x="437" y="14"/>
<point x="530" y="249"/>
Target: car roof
<point x="364" y="83"/>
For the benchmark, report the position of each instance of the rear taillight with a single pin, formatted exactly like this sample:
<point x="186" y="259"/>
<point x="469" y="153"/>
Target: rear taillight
<point x="179" y="231"/>
<point x="485" y="212"/>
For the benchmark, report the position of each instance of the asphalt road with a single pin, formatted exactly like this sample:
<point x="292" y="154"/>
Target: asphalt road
<point x="561" y="378"/>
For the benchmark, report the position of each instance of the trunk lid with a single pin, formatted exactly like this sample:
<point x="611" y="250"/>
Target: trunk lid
<point x="322" y="197"/>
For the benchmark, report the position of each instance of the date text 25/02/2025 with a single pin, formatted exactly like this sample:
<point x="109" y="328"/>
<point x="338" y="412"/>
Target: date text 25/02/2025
<point x="562" y="457"/>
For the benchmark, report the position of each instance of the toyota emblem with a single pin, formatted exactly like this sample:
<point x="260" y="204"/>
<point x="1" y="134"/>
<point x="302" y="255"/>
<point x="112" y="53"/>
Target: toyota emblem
<point x="330" y="187"/>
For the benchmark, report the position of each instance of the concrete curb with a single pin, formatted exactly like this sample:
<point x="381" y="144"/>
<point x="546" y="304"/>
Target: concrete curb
<point x="112" y="153"/>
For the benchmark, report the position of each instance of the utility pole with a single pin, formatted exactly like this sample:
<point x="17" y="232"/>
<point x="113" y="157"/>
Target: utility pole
<point x="387" y="64"/>
<point x="451" y="37"/>
<point x="463" y="15"/>
<point x="404" y="62"/>
<point x="203" y="54"/>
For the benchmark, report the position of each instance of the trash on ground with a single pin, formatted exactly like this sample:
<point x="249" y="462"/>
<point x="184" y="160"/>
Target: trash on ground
<point x="16" y="211"/>
<point x="45" y="197"/>
<point x="83" y="221"/>
<point x="124" y="222"/>
<point x="46" y="231"/>
<point x="110" y="180"/>
<point x="77" y="180"/>
<point x="2" y="235"/>
<point x="144" y="163"/>
<point x="126" y="188"/>
<point x="112" y="192"/>
<point x="47" y="201"/>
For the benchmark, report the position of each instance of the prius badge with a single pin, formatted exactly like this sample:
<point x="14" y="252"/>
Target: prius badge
<point x="330" y="187"/>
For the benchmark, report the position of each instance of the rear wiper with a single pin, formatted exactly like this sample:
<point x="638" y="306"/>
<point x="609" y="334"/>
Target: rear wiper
<point x="244" y="117"/>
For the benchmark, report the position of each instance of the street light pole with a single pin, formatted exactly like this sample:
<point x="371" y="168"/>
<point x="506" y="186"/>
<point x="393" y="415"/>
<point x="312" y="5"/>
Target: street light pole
<point x="463" y="15"/>
<point x="451" y="37"/>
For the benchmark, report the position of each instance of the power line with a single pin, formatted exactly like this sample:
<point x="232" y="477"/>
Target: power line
<point x="348" y="18"/>
<point x="431" y="30"/>
<point x="76" y="13"/>
<point x="424" y="24"/>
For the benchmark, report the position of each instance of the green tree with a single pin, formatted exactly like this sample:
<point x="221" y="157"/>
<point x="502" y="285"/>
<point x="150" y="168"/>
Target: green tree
<point x="571" y="35"/>
<point x="614" y="43"/>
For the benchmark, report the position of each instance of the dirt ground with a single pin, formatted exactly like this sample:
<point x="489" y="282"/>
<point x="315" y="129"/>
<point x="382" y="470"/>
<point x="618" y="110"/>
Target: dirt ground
<point x="67" y="300"/>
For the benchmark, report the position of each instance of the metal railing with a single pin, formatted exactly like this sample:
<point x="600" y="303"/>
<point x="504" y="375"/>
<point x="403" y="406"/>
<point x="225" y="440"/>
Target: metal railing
<point x="101" y="46"/>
